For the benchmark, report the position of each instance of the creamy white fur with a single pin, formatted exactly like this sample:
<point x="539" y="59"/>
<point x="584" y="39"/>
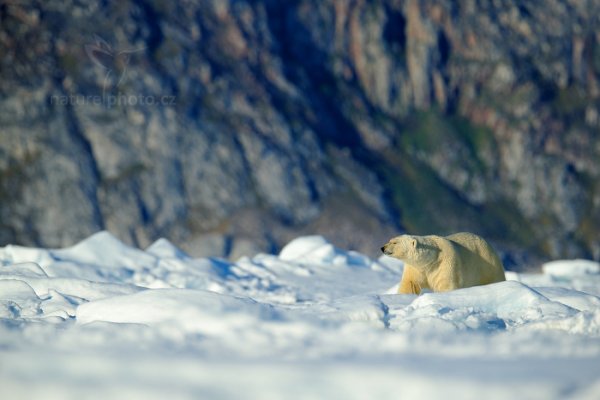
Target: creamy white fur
<point x="444" y="263"/>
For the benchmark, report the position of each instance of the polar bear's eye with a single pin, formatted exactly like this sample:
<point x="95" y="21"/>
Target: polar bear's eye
<point x="414" y="243"/>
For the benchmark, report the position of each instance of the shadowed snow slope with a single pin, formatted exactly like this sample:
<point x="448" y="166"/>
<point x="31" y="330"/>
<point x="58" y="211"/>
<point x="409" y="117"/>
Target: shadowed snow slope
<point x="105" y="320"/>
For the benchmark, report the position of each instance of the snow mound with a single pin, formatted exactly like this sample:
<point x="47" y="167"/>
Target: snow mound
<point x="316" y="249"/>
<point x="12" y="254"/>
<point x="105" y="251"/>
<point x="193" y="311"/>
<point x="503" y="305"/>
<point x="18" y="300"/>
<point x="29" y="269"/>
<point x="570" y="268"/>
<point x="162" y="248"/>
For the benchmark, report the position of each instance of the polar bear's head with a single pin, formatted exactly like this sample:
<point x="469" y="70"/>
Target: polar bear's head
<point x="418" y="251"/>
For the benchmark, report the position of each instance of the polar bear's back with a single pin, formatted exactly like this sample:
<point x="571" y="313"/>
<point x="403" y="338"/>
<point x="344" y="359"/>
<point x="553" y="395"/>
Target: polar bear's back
<point x="480" y="253"/>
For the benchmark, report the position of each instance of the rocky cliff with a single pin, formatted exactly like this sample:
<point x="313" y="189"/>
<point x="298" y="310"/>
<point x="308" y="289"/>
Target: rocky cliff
<point x="232" y="126"/>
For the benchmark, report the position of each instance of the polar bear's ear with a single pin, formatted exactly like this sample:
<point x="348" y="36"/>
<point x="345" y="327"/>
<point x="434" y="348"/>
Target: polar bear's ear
<point x="414" y="243"/>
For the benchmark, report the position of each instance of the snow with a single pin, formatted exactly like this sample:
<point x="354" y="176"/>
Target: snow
<point x="568" y="268"/>
<point x="105" y="320"/>
<point x="196" y="311"/>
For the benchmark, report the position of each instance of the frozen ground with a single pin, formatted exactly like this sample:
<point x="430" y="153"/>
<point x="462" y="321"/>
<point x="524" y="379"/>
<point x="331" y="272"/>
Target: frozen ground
<point x="103" y="320"/>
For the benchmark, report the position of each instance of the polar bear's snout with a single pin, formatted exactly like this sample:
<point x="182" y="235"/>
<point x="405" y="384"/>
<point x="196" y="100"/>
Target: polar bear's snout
<point x="386" y="249"/>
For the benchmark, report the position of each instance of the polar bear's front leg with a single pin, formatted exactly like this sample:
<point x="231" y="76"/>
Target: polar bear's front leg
<point x="412" y="281"/>
<point x="407" y="286"/>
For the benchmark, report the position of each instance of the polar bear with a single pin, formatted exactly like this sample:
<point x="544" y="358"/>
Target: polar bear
<point x="444" y="263"/>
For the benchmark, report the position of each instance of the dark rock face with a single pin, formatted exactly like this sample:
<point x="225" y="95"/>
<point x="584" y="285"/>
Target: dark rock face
<point x="250" y="122"/>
